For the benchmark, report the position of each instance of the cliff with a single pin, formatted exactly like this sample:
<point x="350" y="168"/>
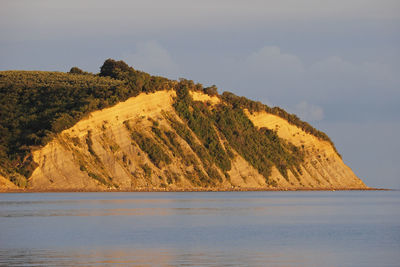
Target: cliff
<point x="98" y="153"/>
<point x="131" y="131"/>
<point x="322" y="167"/>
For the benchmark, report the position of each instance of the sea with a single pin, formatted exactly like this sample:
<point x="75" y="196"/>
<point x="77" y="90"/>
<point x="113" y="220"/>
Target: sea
<point x="307" y="228"/>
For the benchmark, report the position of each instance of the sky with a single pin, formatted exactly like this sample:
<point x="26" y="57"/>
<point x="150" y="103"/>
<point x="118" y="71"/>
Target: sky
<point x="335" y="63"/>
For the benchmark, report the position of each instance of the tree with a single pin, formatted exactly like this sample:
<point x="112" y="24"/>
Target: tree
<point x="76" y="70"/>
<point x="113" y="68"/>
<point x="211" y="91"/>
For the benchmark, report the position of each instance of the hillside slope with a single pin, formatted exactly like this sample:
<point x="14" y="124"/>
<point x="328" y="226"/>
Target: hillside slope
<point x="161" y="135"/>
<point x="113" y="160"/>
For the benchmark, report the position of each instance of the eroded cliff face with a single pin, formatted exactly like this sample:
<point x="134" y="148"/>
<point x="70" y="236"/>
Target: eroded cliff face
<point x="322" y="167"/>
<point x="101" y="153"/>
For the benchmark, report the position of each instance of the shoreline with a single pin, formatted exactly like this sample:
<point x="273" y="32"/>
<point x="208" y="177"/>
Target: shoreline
<point x="191" y="190"/>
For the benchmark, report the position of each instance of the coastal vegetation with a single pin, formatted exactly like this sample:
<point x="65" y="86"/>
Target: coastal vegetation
<point x="256" y="106"/>
<point x="262" y="148"/>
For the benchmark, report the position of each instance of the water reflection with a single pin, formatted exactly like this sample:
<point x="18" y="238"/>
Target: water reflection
<point x="207" y="229"/>
<point x="157" y="257"/>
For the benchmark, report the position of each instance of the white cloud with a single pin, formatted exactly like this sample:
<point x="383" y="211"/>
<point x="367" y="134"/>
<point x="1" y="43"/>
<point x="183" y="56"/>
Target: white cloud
<point x="270" y="60"/>
<point x="151" y="57"/>
<point x="271" y="69"/>
<point x="283" y="75"/>
<point x="308" y="112"/>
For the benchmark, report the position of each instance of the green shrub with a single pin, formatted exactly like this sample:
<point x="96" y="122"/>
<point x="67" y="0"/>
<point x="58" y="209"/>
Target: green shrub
<point x="154" y="151"/>
<point x="197" y="117"/>
<point x="147" y="170"/>
<point x="262" y="148"/>
<point x="19" y="181"/>
<point x="76" y="70"/>
<point x="98" y="178"/>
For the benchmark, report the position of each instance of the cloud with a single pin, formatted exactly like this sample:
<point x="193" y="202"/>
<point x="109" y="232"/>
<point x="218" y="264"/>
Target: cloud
<point x="271" y="61"/>
<point x="270" y="69"/>
<point x="151" y="57"/>
<point x="308" y="112"/>
<point x="282" y="67"/>
<point x="277" y="74"/>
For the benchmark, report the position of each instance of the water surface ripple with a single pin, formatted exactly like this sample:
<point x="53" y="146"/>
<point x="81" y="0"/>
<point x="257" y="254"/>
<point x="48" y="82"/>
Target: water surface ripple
<point x="349" y="228"/>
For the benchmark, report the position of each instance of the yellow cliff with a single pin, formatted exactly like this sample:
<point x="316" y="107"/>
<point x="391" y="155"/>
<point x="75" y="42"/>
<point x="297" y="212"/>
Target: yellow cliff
<point x="98" y="153"/>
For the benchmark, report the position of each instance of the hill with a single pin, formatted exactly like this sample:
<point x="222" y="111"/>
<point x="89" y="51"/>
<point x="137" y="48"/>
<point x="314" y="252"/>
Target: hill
<point x="124" y="129"/>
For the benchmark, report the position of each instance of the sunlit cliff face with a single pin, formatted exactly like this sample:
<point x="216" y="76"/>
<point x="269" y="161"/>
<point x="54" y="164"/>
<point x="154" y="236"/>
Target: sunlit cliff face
<point x="98" y="153"/>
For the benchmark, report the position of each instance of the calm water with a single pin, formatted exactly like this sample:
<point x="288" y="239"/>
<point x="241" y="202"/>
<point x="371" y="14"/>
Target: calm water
<point x="206" y="229"/>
